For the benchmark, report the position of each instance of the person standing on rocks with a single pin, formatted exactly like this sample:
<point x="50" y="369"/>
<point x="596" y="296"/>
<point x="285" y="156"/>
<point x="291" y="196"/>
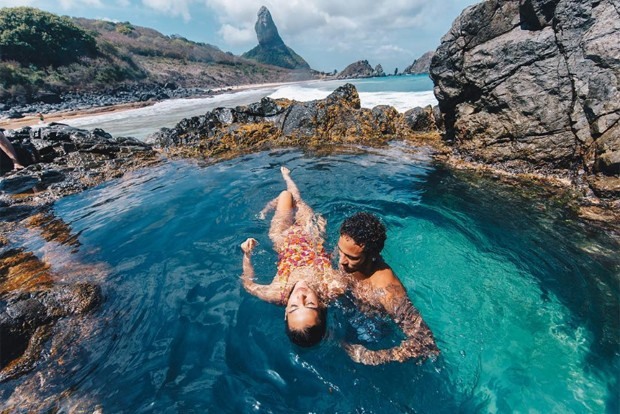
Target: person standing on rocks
<point x="376" y="288"/>
<point x="7" y="148"/>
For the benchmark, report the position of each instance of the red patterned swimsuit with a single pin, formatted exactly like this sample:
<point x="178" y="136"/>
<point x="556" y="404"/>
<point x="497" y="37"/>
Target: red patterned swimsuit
<point x="300" y="251"/>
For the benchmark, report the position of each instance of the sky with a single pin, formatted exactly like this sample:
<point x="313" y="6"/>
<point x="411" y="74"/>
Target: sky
<point x="328" y="34"/>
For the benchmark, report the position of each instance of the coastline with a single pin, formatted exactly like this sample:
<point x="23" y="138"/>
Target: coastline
<point x="32" y="119"/>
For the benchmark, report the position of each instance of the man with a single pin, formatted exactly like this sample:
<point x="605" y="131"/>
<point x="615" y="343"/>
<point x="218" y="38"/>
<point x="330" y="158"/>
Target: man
<point x="375" y="286"/>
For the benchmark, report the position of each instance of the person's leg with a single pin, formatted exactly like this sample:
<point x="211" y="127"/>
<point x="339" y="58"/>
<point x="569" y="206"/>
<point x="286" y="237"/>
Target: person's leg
<point x="270" y="206"/>
<point x="282" y="219"/>
<point x="304" y="213"/>
<point x="7" y="147"/>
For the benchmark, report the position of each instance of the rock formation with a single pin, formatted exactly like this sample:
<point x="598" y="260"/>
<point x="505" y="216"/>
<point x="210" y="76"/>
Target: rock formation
<point x="420" y="65"/>
<point x="360" y="69"/>
<point x="534" y="84"/>
<point x="26" y="320"/>
<point x="335" y="120"/>
<point x="63" y="160"/>
<point x="271" y="49"/>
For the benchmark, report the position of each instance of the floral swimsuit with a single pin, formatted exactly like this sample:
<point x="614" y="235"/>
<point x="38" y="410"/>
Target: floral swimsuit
<point x="300" y="251"/>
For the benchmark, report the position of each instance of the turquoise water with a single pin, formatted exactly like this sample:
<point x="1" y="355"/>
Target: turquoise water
<point x="523" y="302"/>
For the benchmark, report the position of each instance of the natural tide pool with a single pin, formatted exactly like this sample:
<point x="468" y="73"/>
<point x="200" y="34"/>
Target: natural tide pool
<point x="523" y="301"/>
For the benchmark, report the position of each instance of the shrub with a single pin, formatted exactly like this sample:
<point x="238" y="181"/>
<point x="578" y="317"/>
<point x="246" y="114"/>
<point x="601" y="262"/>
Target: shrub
<point x="33" y="37"/>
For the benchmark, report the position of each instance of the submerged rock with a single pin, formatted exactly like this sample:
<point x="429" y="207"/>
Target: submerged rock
<point x="26" y="319"/>
<point x="535" y="85"/>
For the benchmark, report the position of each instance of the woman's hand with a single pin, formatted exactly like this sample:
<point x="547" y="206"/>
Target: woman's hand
<point x="249" y="245"/>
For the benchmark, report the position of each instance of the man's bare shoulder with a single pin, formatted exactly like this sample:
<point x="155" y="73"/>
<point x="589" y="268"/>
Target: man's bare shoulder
<point x="386" y="279"/>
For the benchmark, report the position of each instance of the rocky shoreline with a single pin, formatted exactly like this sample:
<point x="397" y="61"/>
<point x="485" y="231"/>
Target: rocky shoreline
<point x="49" y="103"/>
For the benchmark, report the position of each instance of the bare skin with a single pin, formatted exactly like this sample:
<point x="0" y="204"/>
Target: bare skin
<point x="376" y="288"/>
<point x="308" y="287"/>
<point x="7" y="148"/>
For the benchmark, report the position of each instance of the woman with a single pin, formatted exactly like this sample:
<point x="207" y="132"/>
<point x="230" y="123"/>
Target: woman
<point x="305" y="281"/>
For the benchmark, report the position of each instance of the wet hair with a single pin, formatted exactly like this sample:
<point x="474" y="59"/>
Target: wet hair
<point x="311" y="335"/>
<point x="367" y="231"/>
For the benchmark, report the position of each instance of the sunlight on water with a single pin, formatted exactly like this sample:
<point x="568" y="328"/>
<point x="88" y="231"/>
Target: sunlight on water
<point x="526" y="317"/>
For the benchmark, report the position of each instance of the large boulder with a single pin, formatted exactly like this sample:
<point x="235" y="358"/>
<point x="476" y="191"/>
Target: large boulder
<point x="533" y="83"/>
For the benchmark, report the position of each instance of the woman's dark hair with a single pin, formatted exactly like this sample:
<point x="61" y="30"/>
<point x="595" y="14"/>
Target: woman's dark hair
<point x="366" y="230"/>
<point x="309" y="336"/>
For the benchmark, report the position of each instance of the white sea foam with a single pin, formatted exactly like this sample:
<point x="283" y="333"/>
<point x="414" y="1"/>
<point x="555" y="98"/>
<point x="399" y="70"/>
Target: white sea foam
<point x="402" y="101"/>
<point x="142" y="122"/>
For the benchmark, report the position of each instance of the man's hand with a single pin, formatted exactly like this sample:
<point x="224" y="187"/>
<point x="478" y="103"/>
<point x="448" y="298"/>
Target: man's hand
<point x="363" y="355"/>
<point x="249" y="245"/>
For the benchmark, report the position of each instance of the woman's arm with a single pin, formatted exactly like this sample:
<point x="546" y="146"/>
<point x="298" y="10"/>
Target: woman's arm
<point x="268" y="293"/>
<point x="418" y="343"/>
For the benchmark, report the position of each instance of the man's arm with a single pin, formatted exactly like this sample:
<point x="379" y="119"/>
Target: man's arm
<point x="268" y="293"/>
<point x="418" y="343"/>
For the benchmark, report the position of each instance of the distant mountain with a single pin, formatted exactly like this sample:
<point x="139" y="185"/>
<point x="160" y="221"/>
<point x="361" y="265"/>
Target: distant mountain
<point x="420" y="65"/>
<point x="271" y="49"/>
<point x="360" y="69"/>
<point x="83" y="55"/>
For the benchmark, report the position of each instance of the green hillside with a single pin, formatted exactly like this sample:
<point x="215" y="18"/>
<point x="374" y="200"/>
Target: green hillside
<point x="41" y="52"/>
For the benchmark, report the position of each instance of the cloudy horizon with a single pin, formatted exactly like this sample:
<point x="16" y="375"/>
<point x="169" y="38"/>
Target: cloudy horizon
<point x="329" y="35"/>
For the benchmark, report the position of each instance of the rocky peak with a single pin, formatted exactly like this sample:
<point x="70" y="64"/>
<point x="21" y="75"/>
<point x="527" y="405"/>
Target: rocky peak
<point x="266" y="30"/>
<point x="271" y="49"/>
<point x="420" y="65"/>
<point x="359" y="69"/>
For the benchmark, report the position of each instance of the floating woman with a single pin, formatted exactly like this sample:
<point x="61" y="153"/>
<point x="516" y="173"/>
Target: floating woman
<point x="305" y="281"/>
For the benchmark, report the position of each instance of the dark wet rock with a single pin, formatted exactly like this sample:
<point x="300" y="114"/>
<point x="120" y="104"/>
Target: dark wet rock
<point x="63" y="160"/>
<point x="14" y="115"/>
<point x="47" y="97"/>
<point x="18" y="184"/>
<point x="534" y="84"/>
<point x="335" y="120"/>
<point x="26" y="318"/>
<point x="421" y="119"/>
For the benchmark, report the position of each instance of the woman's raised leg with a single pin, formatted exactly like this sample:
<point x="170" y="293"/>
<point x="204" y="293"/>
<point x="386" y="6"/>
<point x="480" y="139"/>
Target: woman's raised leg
<point x="282" y="219"/>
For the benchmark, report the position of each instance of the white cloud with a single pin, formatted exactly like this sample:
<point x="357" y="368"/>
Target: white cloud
<point x="16" y="3"/>
<point x="70" y="4"/>
<point x="171" y="7"/>
<point x="237" y="36"/>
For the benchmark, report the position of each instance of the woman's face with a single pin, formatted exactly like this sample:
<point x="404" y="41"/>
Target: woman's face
<point x="302" y="309"/>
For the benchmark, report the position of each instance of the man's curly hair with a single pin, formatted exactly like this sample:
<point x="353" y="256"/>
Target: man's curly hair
<point x="367" y="231"/>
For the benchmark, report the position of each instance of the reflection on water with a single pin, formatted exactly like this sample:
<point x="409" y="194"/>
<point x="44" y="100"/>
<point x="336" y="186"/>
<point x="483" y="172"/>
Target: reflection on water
<point x="526" y="317"/>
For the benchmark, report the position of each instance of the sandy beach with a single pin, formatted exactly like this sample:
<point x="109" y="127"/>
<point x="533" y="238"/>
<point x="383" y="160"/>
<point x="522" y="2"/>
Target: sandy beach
<point x="33" y="119"/>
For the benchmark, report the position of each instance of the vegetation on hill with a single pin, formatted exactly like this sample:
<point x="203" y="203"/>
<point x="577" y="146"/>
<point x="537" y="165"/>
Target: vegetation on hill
<point x="33" y="37"/>
<point x="42" y="53"/>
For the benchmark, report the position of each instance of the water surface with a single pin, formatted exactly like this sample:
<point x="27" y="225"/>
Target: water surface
<point x="523" y="302"/>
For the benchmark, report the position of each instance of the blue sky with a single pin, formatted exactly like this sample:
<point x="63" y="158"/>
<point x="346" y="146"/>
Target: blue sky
<point x="328" y="34"/>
